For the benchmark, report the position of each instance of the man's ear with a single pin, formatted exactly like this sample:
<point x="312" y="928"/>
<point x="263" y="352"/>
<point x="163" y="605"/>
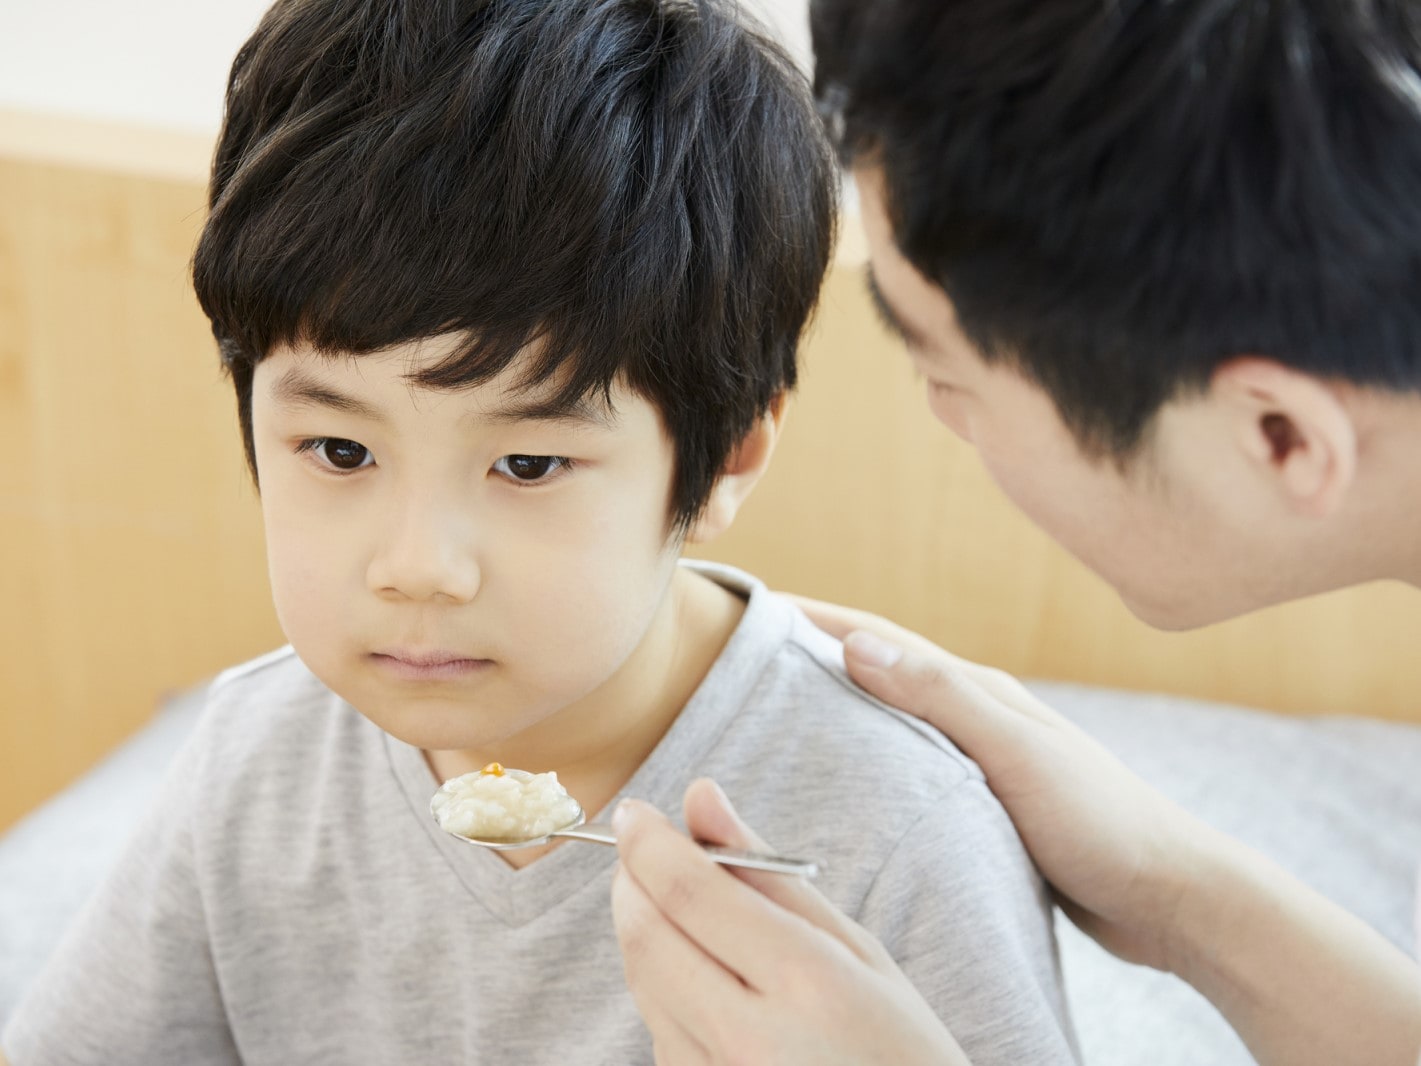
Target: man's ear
<point x="740" y="474"/>
<point x="1294" y="427"/>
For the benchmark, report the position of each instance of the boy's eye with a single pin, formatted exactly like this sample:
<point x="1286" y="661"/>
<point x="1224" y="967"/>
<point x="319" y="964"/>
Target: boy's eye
<point x="530" y="467"/>
<point x="338" y="453"/>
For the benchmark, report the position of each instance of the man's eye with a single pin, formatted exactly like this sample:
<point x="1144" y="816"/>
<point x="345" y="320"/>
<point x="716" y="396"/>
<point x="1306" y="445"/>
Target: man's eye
<point x="338" y="453"/>
<point x="530" y="467"/>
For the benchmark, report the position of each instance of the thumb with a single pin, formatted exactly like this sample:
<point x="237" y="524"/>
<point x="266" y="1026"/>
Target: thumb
<point x="935" y="686"/>
<point x="711" y="819"/>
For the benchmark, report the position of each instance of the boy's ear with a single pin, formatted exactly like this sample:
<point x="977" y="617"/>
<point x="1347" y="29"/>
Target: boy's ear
<point x="741" y="472"/>
<point x="1294" y="427"/>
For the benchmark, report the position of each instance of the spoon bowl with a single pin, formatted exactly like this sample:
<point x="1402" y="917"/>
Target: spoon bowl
<point x="578" y="828"/>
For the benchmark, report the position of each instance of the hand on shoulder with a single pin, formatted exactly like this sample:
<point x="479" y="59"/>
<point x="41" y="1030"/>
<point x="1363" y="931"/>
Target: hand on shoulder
<point x="1120" y="855"/>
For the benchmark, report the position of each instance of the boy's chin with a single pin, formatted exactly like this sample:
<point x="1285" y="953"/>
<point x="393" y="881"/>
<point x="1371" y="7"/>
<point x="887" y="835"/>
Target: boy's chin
<point x="449" y="728"/>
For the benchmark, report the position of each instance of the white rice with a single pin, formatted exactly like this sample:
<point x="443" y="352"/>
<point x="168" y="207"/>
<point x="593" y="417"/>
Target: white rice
<point x="503" y="806"/>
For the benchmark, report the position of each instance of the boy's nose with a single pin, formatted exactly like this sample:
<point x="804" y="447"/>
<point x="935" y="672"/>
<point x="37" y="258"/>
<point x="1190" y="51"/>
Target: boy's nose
<point x="428" y="555"/>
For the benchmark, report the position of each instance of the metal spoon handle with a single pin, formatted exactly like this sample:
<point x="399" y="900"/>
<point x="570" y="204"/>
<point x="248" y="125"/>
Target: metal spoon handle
<point x="594" y="832"/>
<point x="601" y="833"/>
<point x="753" y="860"/>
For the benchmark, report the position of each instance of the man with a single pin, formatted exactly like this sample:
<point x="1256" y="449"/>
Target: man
<point x="1158" y="262"/>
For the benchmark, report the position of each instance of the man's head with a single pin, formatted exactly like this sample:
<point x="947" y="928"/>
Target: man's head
<point x="636" y="185"/>
<point x="1149" y="213"/>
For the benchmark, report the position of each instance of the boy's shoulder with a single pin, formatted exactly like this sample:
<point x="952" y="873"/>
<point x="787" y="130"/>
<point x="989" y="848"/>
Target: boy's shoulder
<point x="836" y="719"/>
<point x="822" y="768"/>
<point x="268" y="715"/>
<point x="280" y="666"/>
<point x="804" y="706"/>
<point x="823" y="656"/>
<point x="269" y="689"/>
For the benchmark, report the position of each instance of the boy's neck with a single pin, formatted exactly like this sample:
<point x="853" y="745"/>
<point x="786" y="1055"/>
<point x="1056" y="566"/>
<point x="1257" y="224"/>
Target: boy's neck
<point x="597" y="744"/>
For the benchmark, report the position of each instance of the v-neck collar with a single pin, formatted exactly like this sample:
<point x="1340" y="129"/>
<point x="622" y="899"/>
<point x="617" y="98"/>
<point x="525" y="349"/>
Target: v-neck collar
<point x="517" y="896"/>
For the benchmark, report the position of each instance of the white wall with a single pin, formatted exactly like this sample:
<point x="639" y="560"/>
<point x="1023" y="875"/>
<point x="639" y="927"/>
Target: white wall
<point x="164" y="63"/>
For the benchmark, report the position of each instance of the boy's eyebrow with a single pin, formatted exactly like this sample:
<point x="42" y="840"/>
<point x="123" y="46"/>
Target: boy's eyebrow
<point x="583" y="410"/>
<point x="890" y="318"/>
<point x="296" y="389"/>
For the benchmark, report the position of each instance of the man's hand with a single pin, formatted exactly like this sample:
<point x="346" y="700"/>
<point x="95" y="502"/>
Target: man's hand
<point x="1300" y="980"/>
<point x="1119" y="854"/>
<point x="754" y="968"/>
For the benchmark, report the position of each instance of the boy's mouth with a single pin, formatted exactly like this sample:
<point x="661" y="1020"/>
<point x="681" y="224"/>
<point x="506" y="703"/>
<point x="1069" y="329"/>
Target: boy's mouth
<point x="427" y="665"/>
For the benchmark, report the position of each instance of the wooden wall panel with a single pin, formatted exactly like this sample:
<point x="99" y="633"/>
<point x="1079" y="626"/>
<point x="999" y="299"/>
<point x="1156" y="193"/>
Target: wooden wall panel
<point x="130" y="547"/>
<point x="129" y="536"/>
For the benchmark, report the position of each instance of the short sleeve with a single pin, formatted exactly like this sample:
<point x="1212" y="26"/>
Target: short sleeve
<point x="133" y="978"/>
<point x="962" y="909"/>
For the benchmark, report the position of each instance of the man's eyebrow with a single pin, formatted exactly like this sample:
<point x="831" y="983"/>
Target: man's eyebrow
<point x="295" y="389"/>
<point x="890" y="318"/>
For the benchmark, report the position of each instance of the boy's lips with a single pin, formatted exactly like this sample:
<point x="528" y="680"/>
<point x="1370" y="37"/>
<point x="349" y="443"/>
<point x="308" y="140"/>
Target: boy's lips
<point x="412" y="665"/>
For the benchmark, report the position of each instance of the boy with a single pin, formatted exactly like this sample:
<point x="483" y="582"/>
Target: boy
<point x="510" y="293"/>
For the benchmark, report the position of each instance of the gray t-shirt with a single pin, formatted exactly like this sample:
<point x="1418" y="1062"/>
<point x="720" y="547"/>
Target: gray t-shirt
<point x="290" y="900"/>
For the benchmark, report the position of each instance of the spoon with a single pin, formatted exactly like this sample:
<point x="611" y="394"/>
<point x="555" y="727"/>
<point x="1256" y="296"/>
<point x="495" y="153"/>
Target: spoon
<point x="578" y="828"/>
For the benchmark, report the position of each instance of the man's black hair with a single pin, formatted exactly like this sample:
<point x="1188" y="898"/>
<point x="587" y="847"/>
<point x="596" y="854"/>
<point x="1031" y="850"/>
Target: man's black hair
<point x="641" y="187"/>
<point x="1119" y="196"/>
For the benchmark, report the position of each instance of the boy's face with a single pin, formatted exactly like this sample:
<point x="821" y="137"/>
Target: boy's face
<point x="456" y="565"/>
<point x="1183" y="534"/>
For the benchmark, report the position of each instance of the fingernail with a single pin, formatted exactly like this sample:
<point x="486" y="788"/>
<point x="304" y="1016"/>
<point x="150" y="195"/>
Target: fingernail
<point x="719" y="798"/>
<point x="871" y="650"/>
<point x="724" y="801"/>
<point x="620" y="816"/>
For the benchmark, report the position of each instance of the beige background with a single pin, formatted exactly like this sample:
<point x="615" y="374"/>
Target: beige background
<point x="131" y="546"/>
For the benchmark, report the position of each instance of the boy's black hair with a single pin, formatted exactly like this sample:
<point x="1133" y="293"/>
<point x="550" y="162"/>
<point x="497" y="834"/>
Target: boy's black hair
<point x="1117" y="197"/>
<point x="641" y="186"/>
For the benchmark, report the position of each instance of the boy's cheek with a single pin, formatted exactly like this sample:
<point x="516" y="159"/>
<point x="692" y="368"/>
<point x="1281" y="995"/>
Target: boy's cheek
<point x="299" y="597"/>
<point x="312" y="570"/>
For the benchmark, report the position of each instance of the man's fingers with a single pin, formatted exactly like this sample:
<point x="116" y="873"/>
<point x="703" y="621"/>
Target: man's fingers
<point x="678" y="989"/>
<point x="840" y="621"/>
<point x="666" y="1052"/>
<point x="871" y="641"/>
<point x="802" y="996"/>
<point x="935" y="688"/>
<point x="758" y="938"/>
<point x="984" y="711"/>
<point x="836" y="620"/>
<point x="711" y="818"/>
